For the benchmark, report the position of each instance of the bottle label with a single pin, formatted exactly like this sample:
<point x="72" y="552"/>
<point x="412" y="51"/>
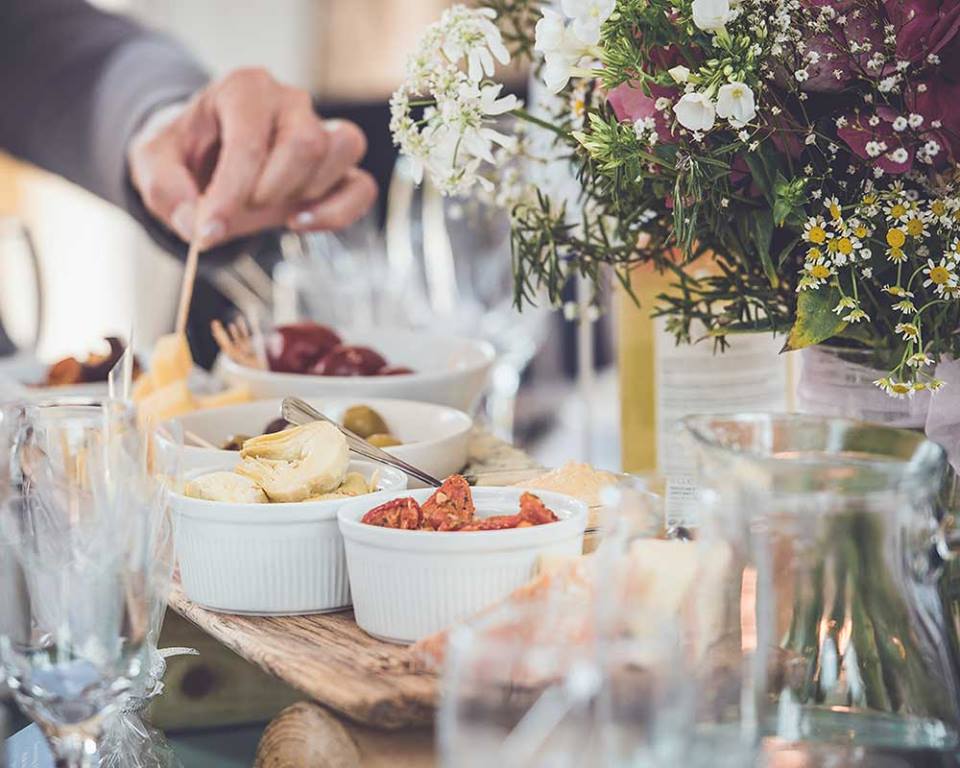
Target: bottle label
<point x="749" y="375"/>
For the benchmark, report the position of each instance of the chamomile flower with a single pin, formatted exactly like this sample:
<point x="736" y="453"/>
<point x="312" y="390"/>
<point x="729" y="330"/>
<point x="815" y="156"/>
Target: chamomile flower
<point x="896" y="237"/>
<point x="935" y="385"/>
<point x="845" y="303"/>
<point x="919" y="359"/>
<point x="898" y="291"/>
<point x="897" y="389"/>
<point x="897" y="211"/>
<point x="815" y="230"/>
<point x="916" y="226"/>
<point x="941" y="275"/>
<point x="906" y="306"/>
<point x="856" y="315"/>
<point x="909" y="331"/>
<point x="833" y="207"/>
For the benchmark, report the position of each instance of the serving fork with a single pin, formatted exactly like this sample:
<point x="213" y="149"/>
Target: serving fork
<point x="299" y="412"/>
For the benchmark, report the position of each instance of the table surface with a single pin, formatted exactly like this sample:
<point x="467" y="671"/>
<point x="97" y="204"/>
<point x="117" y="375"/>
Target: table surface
<point x="328" y="657"/>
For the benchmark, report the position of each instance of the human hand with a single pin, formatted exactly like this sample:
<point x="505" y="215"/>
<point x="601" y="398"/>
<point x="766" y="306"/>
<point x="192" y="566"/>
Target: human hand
<point x="253" y="155"/>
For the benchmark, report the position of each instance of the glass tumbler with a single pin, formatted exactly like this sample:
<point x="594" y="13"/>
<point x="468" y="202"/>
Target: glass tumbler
<point x="78" y="509"/>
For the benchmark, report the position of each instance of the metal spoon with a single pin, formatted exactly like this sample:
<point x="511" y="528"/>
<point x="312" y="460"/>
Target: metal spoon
<point x="298" y="412"/>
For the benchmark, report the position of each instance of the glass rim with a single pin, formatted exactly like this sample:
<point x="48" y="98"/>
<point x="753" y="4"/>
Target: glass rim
<point x="925" y="456"/>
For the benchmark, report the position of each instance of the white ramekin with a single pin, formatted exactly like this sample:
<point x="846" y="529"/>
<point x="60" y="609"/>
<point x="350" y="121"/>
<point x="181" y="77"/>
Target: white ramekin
<point x="267" y="559"/>
<point x="409" y="584"/>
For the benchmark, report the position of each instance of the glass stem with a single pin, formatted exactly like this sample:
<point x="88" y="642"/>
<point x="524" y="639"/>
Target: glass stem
<point x="74" y="746"/>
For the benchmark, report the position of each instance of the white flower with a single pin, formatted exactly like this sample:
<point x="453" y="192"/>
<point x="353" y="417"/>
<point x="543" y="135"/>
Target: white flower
<point x="561" y="49"/>
<point x="735" y="102"/>
<point x="695" y="112"/>
<point x="712" y="15"/>
<point x="588" y="16"/>
<point x="472" y="35"/>
<point x="900" y="124"/>
<point x="679" y="73"/>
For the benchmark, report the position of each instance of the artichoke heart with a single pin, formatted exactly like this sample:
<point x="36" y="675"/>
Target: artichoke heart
<point x="297" y="463"/>
<point x="226" y="486"/>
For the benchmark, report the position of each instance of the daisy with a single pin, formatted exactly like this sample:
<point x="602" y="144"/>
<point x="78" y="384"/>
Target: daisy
<point x="908" y="331"/>
<point x="940" y="275"/>
<point x="815" y="230"/>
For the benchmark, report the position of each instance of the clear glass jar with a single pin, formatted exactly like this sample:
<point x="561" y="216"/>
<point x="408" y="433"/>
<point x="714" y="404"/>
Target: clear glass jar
<point x="838" y="381"/>
<point x="834" y="540"/>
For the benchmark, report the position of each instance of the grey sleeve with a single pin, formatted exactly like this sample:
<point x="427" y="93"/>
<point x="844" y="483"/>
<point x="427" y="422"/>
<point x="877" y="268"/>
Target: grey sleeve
<point x="75" y="83"/>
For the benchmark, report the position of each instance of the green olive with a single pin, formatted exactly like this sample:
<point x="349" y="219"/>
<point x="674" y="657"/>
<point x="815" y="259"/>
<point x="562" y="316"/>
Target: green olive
<point x="364" y="421"/>
<point x="235" y="442"/>
<point x="383" y="440"/>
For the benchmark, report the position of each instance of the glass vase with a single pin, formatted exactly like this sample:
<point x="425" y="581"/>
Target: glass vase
<point x="836" y="541"/>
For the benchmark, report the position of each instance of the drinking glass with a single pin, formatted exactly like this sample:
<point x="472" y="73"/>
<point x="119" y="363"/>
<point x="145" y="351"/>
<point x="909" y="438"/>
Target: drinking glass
<point x="449" y="264"/>
<point x="78" y="511"/>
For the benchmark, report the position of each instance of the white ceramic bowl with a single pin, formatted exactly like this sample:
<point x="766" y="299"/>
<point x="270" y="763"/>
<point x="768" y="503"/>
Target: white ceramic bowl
<point x="435" y="438"/>
<point x="267" y="559"/>
<point x="448" y="370"/>
<point x="407" y="585"/>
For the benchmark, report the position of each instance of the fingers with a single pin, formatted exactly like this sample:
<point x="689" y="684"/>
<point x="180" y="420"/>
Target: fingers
<point x="346" y="147"/>
<point x="161" y="176"/>
<point x="345" y="205"/>
<point x="246" y="114"/>
<point x="300" y="145"/>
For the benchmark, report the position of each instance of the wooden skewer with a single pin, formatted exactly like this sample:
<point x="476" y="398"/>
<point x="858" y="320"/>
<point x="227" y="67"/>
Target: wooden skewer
<point x="198" y="441"/>
<point x="189" y="278"/>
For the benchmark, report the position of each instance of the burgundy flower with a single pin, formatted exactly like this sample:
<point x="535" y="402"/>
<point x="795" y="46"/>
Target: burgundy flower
<point x="630" y="102"/>
<point x="923" y="26"/>
<point x="938" y="101"/>
<point x="858" y="134"/>
<point x="837" y="66"/>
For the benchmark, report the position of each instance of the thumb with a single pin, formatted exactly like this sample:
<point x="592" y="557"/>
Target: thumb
<point x="167" y="187"/>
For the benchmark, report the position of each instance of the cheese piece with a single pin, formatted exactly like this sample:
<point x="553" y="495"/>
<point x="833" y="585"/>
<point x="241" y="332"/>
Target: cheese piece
<point x="168" y="402"/>
<point x="171" y="360"/>
<point x="233" y="396"/>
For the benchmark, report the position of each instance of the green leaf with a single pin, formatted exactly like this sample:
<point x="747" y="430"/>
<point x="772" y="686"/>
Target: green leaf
<point x="816" y="321"/>
<point x="788" y="201"/>
<point x="763" y="238"/>
<point x="760" y="173"/>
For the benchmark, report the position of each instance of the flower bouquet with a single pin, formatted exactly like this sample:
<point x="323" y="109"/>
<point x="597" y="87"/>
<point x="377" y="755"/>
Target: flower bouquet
<point x="792" y="164"/>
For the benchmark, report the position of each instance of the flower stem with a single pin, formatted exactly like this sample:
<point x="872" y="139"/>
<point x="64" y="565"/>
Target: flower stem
<point x="524" y="115"/>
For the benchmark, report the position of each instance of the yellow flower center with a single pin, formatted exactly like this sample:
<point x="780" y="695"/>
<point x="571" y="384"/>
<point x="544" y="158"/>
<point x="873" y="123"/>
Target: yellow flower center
<point x="832" y="246"/>
<point x="869" y="199"/>
<point x="898" y="211"/>
<point x="939" y="275"/>
<point x="900" y="387"/>
<point x="834" y="211"/>
<point x="861" y="232"/>
<point x="820" y="271"/>
<point x="914" y="227"/>
<point x="896" y="238"/>
<point x="938" y="207"/>
<point x="845" y="246"/>
<point x="813" y="254"/>
<point x="817" y="234"/>
<point x="897" y="255"/>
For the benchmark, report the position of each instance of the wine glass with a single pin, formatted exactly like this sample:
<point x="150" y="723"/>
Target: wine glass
<point x="78" y="509"/>
<point x="449" y="262"/>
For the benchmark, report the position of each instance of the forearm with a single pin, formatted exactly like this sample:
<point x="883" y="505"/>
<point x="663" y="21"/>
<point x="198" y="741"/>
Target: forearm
<point x="77" y="83"/>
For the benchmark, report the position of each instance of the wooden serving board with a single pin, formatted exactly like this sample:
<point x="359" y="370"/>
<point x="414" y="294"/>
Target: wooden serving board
<point x="328" y="657"/>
